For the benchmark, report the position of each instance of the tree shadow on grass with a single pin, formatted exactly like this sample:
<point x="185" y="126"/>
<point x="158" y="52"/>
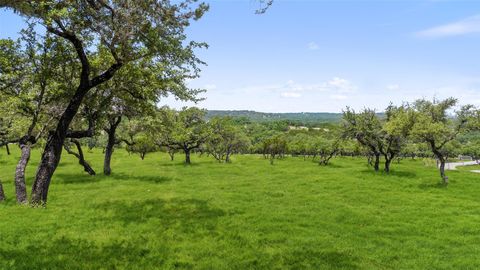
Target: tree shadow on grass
<point x="183" y="164"/>
<point x="189" y="219"/>
<point x="64" y="178"/>
<point x="400" y="174"/>
<point x="65" y="253"/>
<point x="188" y="216"/>
<point x="331" y="165"/>
<point x="432" y="185"/>
<point x="74" y="178"/>
<point x="146" y="178"/>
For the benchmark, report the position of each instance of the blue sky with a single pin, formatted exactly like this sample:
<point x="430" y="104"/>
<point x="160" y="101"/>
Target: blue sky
<point x="320" y="56"/>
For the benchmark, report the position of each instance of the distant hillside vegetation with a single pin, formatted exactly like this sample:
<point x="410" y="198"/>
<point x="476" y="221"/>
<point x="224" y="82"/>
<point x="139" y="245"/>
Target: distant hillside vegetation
<point x="306" y="118"/>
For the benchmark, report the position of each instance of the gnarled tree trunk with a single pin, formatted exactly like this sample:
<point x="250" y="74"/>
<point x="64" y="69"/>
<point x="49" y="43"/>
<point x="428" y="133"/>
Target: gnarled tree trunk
<point x="20" y="186"/>
<point x="8" y="149"/>
<point x="53" y="150"/>
<point x="111" y="130"/>
<point x="440" y="159"/>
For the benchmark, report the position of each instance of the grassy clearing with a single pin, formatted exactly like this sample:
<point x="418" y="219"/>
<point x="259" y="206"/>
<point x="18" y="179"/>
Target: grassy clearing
<point x="157" y="214"/>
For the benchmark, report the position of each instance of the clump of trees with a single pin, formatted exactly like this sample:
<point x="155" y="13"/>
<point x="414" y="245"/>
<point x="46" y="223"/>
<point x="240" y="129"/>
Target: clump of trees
<point x="98" y="69"/>
<point x="404" y="129"/>
<point x="86" y="44"/>
<point x="184" y="130"/>
<point x="226" y="139"/>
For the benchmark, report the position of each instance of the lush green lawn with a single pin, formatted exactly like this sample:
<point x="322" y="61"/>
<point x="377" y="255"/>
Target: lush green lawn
<point x="469" y="168"/>
<point x="157" y="214"/>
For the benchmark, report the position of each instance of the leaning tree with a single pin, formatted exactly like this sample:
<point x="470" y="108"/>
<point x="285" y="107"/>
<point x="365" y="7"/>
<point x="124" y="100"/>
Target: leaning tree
<point x="128" y="30"/>
<point x="436" y="127"/>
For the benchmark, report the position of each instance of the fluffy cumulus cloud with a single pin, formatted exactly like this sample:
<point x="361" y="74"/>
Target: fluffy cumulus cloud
<point x="466" y="26"/>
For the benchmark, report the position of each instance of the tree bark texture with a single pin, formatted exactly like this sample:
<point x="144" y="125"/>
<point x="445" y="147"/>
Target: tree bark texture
<point x="20" y="185"/>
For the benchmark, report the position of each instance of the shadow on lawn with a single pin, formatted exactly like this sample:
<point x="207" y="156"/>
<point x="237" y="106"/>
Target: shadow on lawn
<point x="192" y="219"/>
<point x="66" y="253"/>
<point x="187" y="216"/>
<point x="85" y="178"/>
<point x="401" y="174"/>
<point x="436" y="185"/>
<point x="332" y="165"/>
<point x="182" y="164"/>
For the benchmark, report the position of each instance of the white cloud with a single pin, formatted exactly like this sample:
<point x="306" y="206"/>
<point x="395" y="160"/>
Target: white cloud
<point x="463" y="27"/>
<point x="393" y="87"/>
<point x="313" y="46"/>
<point x="341" y="85"/>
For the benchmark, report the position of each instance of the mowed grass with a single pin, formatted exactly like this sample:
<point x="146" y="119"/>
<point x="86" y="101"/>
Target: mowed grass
<point x="158" y="214"/>
<point x="469" y="168"/>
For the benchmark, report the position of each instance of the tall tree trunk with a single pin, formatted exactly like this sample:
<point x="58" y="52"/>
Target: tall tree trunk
<point x="7" y="148"/>
<point x="187" y="156"/>
<point x="53" y="149"/>
<point x="2" y="193"/>
<point x="111" y="131"/>
<point x="376" y="166"/>
<point x="20" y="186"/>
<point x="108" y="157"/>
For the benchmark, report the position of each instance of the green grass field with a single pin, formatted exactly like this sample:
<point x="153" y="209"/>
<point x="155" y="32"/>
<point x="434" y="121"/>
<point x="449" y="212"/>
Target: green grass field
<point x="469" y="168"/>
<point x="157" y="214"/>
